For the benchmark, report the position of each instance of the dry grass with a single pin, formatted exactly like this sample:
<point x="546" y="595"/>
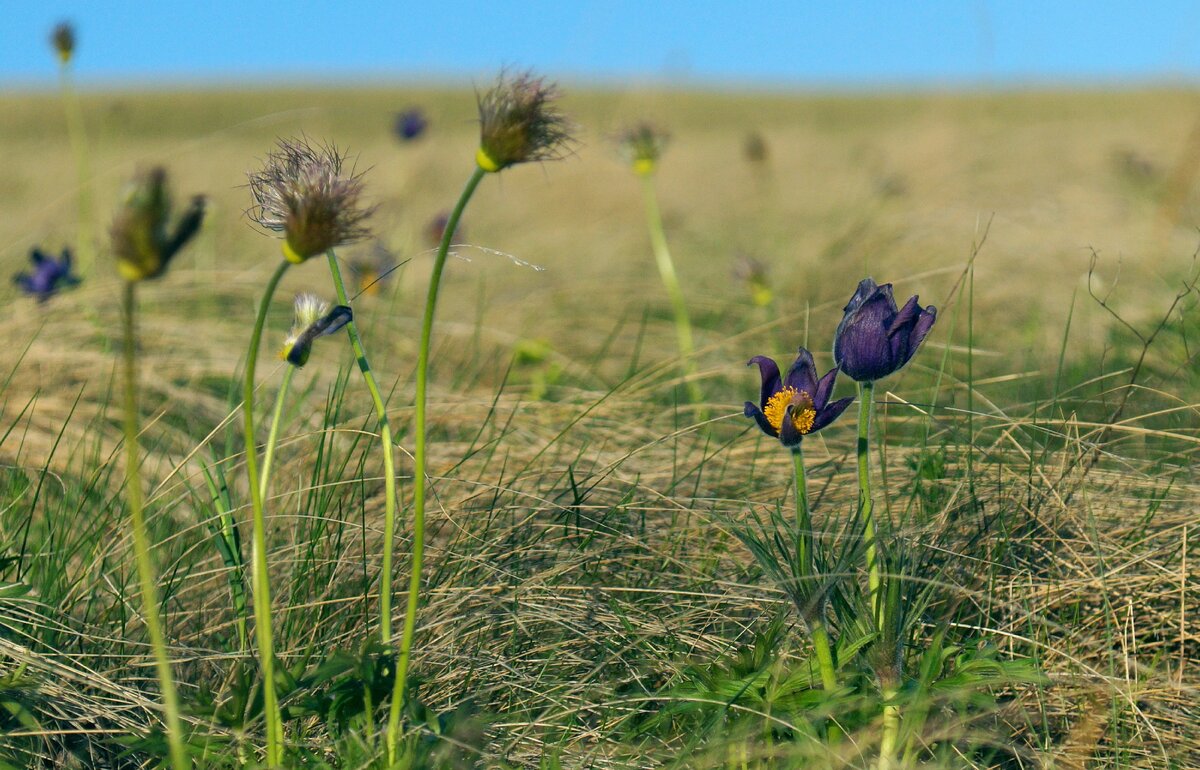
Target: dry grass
<point x="563" y="611"/>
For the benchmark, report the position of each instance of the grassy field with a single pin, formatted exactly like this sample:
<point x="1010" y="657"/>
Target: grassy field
<point x="590" y="598"/>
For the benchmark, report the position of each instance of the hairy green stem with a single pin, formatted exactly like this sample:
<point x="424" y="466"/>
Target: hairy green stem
<point x="273" y="437"/>
<point x="666" y="269"/>
<point x="260" y="578"/>
<point x="399" y="690"/>
<point x="77" y="135"/>
<point x="804" y="560"/>
<point x="389" y="458"/>
<point x="866" y="506"/>
<point x="141" y="540"/>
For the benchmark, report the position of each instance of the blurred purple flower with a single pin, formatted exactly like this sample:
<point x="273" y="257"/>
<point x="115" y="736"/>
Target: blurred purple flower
<point x="436" y="229"/>
<point x="410" y="124"/>
<point x="48" y="275"/>
<point x="875" y="338"/>
<point x="796" y="405"/>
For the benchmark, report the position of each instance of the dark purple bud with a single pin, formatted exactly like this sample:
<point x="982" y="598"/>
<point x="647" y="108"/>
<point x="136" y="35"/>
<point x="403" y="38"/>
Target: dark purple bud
<point x="875" y="338"/>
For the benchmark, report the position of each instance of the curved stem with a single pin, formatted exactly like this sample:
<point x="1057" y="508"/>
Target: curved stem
<point x="804" y="559"/>
<point x="260" y="578"/>
<point x="399" y="690"/>
<point x="666" y="269"/>
<point x="389" y="458"/>
<point x="866" y="507"/>
<point x="141" y="540"/>
<point x="273" y="437"/>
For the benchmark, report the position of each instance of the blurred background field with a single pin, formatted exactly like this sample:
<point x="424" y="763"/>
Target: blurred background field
<point x="582" y="554"/>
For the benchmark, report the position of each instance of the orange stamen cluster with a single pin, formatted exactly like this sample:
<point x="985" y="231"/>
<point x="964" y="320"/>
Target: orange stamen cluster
<point x="803" y="414"/>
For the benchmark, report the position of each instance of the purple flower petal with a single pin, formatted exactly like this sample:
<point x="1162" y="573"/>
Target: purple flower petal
<point x="830" y="413"/>
<point x="824" y="389"/>
<point x="803" y="373"/>
<point x="866" y="287"/>
<point x="769" y="371"/>
<point x="788" y="434"/>
<point x="921" y="328"/>
<point x="905" y="318"/>
<point x="751" y="410"/>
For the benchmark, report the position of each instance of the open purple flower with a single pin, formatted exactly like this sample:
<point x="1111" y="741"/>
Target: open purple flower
<point x="875" y="338"/>
<point x="410" y="124"/>
<point x="48" y="274"/>
<point x="797" y="404"/>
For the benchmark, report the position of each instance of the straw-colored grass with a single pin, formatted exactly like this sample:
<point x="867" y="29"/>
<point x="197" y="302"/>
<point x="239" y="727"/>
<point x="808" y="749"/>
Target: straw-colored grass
<point x="583" y="552"/>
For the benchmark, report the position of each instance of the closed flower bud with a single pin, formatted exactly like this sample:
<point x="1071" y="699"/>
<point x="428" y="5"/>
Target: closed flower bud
<point x="518" y="123"/>
<point x="875" y="338"/>
<point x="641" y="146"/>
<point x="144" y="237"/>
<point x="304" y="194"/>
<point x="63" y="40"/>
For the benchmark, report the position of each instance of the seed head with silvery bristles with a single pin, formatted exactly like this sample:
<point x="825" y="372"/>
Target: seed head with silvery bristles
<point x="303" y="193"/>
<point x="518" y="123"/>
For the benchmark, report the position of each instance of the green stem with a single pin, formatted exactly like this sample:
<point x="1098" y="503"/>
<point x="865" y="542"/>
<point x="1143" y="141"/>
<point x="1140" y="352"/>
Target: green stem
<point x="804" y="561"/>
<point x="399" y="691"/>
<point x="273" y="437"/>
<point x="141" y="540"/>
<point x="866" y="506"/>
<point x="78" y="138"/>
<point x="666" y="269"/>
<point x="260" y="578"/>
<point x="389" y="459"/>
<point x="891" y="731"/>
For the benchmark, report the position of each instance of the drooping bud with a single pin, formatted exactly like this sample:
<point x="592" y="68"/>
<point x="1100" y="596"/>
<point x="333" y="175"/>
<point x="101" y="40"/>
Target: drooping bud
<point x="313" y="319"/>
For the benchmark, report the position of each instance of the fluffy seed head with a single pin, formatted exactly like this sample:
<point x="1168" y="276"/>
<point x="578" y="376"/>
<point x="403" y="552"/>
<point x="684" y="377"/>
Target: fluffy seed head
<point x="641" y="145"/>
<point x="303" y="194"/>
<point x="144" y="238"/>
<point x="63" y="40"/>
<point x="518" y="122"/>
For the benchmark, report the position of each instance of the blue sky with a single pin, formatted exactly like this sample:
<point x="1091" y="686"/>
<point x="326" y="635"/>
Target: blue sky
<point x="782" y="44"/>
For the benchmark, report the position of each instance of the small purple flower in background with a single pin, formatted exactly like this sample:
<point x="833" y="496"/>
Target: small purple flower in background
<point x="796" y="405"/>
<point x="48" y="275"/>
<point x="436" y="229"/>
<point x="875" y="338"/>
<point x="410" y="124"/>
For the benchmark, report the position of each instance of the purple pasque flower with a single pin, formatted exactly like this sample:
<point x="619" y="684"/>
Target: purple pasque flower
<point x="48" y="274"/>
<point x="875" y="338"/>
<point x="797" y="404"/>
<point x="410" y="124"/>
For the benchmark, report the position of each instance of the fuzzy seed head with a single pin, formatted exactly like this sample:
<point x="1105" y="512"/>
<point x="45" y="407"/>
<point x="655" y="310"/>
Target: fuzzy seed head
<point x="641" y="145"/>
<point x="518" y="123"/>
<point x="63" y="40"/>
<point x="304" y="194"/>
